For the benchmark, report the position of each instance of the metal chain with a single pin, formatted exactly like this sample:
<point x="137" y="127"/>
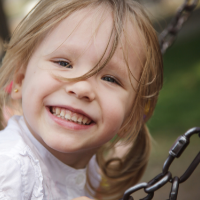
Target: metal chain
<point x="169" y="34"/>
<point x="161" y="179"/>
<point x="166" y="39"/>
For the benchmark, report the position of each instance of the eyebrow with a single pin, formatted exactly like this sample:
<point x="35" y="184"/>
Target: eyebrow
<point x="118" y="65"/>
<point x="115" y="64"/>
<point x="69" y="49"/>
<point x="73" y="50"/>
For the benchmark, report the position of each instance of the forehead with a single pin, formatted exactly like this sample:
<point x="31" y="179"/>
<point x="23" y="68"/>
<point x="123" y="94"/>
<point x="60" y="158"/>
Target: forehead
<point x="89" y="30"/>
<point x="84" y="26"/>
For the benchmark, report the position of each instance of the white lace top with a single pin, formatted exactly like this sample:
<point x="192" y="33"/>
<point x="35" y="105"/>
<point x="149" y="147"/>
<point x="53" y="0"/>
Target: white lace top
<point x="28" y="171"/>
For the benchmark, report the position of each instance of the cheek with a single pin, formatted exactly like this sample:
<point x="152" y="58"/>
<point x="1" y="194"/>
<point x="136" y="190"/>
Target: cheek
<point x="39" y="84"/>
<point x="118" y="109"/>
<point x="35" y="89"/>
<point x="113" y="118"/>
<point x="114" y="114"/>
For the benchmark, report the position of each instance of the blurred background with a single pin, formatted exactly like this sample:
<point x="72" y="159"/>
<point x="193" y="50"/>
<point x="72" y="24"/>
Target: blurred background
<point x="178" y="108"/>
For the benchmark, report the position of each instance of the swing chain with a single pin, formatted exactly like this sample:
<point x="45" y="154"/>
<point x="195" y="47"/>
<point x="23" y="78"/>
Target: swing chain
<point x="168" y="35"/>
<point x="161" y="179"/>
<point x="166" y="39"/>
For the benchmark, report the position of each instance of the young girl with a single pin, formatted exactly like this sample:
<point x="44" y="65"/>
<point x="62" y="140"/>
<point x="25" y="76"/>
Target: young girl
<point x="88" y="74"/>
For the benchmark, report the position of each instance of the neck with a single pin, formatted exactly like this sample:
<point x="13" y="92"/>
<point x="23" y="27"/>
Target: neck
<point x="77" y="160"/>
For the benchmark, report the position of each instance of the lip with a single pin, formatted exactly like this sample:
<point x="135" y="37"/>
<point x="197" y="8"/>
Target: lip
<point x="69" y="124"/>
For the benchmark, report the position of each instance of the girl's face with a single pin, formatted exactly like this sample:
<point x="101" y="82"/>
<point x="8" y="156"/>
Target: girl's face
<point x="76" y="118"/>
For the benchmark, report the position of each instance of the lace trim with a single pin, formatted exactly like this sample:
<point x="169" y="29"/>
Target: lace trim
<point x="38" y="187"/>
<point x="2" y="196"/>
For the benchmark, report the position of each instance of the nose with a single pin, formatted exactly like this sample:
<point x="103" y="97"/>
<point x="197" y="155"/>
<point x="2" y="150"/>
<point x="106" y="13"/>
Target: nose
<point x="82" y="90"/>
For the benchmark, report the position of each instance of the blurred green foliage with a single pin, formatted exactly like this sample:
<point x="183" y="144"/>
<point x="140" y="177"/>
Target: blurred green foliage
<point x="178" y="107"/>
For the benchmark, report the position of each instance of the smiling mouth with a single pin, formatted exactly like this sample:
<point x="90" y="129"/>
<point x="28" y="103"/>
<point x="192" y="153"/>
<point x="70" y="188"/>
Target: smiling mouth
<point x="70" y="116"/>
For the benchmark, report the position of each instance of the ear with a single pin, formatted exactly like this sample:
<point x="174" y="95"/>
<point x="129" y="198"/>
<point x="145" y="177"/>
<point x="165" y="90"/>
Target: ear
<point x="16" y="92"/>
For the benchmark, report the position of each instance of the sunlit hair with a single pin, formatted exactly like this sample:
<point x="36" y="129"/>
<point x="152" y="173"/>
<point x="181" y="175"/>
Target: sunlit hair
<point x="126" y="171"/>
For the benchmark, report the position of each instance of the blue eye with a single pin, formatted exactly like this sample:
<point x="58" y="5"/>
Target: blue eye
<point x="64" y="64"/>
<point x="110" y="79"/>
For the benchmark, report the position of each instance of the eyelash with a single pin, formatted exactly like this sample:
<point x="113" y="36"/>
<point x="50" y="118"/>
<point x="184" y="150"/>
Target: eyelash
<point x="110" y="79"/>
<point x="62" y="63"/>
<point x="105" y="78"/>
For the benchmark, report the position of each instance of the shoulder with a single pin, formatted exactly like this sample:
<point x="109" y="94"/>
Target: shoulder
<point x="20" y="173"/>
<point x="11" y="141"/>
<point x="12" y="132"/>
<point x="10" y="178"/>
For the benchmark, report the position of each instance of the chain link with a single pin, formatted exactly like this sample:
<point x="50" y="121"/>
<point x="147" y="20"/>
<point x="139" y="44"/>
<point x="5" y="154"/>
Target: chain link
<point x="169" y="34"/>
<point x="161" y="179"/>
<point x="166" y="39"/>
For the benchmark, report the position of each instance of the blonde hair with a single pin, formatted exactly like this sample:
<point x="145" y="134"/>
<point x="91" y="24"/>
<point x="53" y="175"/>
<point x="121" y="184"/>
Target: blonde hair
<point x="120" y="173"/>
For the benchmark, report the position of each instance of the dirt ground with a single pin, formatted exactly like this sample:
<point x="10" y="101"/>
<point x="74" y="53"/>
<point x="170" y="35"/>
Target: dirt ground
<point x="190" y="189"/>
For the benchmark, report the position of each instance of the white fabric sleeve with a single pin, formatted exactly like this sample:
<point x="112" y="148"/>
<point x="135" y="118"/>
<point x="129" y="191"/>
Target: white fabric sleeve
<point x="10" y="179"/>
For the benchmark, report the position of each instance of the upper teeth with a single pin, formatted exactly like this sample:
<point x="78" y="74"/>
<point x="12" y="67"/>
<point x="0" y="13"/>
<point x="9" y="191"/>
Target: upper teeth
<point x="71" y="116"/>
